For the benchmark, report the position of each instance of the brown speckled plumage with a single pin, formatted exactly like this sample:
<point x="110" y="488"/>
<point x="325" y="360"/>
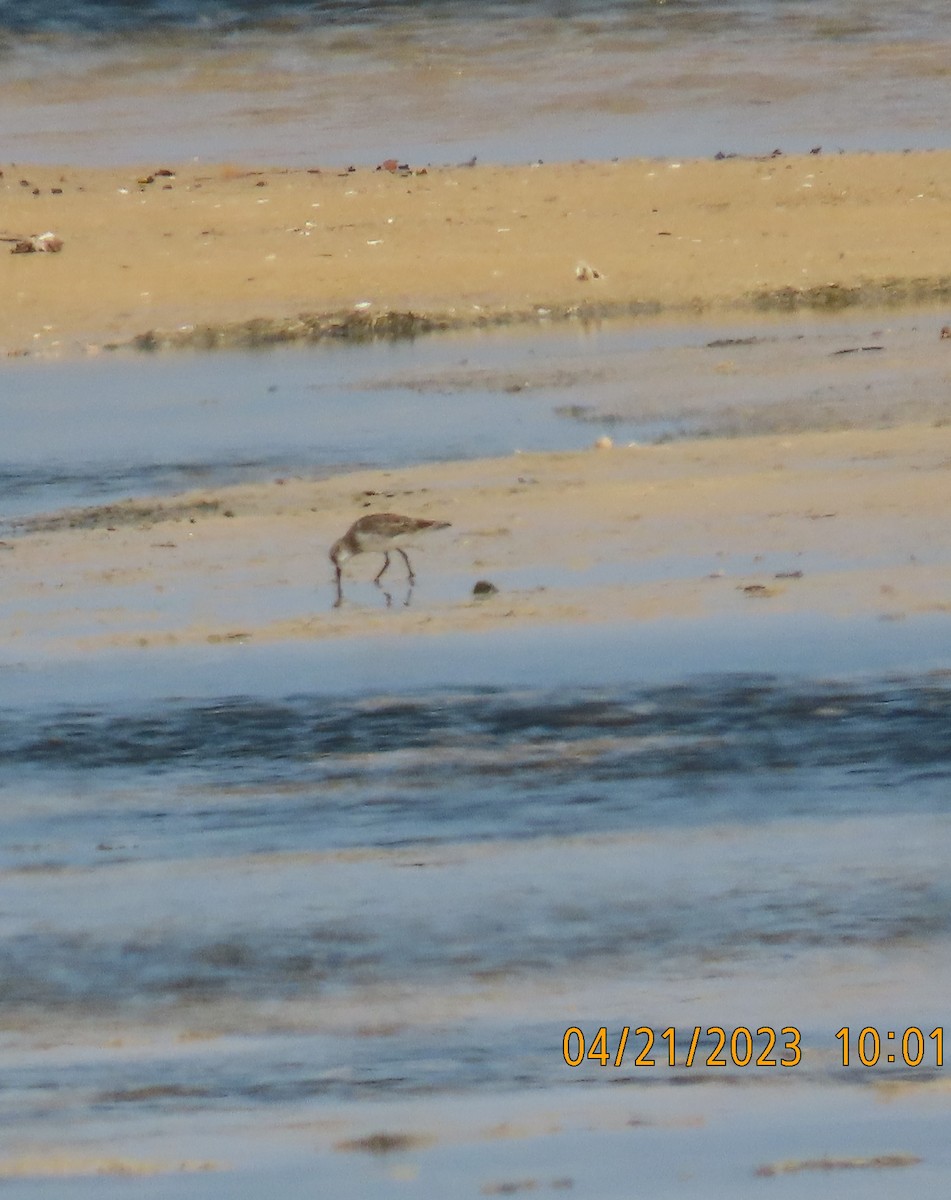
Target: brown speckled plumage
<point x="381" y="533"/>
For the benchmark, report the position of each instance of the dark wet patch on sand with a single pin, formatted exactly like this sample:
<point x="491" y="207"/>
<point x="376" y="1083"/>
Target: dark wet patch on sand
<point x="876" y="1161"/>
<point x="142" y="513"/>
<point x="393" y="325"/>
<point x="385" y="1143"/>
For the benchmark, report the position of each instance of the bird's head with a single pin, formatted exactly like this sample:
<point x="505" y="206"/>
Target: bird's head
<point x="339" y="553"/>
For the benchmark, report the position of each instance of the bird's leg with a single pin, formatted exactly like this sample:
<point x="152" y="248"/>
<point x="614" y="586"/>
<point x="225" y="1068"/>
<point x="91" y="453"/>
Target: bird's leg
<point x="409" y="569"/>
<point x="339" y="599"/>
<point x="386" y="563"/>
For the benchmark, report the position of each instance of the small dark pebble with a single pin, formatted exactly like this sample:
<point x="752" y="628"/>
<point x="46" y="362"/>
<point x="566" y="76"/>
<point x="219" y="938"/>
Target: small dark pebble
<point x="483" y="587"/>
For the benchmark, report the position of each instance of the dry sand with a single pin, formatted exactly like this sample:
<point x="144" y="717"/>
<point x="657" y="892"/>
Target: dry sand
<point x="220" y="246"/>
<point x="851" y="522"/>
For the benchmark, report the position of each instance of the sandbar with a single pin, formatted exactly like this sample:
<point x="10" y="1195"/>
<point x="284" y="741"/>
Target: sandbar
<point x="222" y="254"/>
<point x="849" y="522"/>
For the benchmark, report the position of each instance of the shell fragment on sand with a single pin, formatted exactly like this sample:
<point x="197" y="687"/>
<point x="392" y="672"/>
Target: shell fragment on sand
<point x="35" y="243"/>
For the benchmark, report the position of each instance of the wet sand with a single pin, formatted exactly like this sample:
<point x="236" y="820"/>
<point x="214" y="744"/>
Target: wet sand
<point x="842" y="523"/>
<point x="233" y="255"/>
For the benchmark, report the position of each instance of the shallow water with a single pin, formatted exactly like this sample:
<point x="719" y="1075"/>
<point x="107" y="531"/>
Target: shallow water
<point x="271" y="886"/>
<point x="88" y="431"/>
<point x="337" y="83"/>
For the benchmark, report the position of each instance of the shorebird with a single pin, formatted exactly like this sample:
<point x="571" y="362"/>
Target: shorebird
<point x="381" y="533"/>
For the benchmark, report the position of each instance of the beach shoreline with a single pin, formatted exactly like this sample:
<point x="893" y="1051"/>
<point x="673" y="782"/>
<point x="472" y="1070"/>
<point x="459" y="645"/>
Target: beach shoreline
<point x="203" y="256"/>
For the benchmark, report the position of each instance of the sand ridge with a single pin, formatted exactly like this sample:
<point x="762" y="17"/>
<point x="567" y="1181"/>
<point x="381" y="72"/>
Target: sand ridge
<point x="198" y="252"/>
<point x="843" y="523"/>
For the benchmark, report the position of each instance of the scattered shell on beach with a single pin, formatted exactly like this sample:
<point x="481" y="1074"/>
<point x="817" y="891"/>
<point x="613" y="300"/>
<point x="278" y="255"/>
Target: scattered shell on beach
<point x="395" y="167"/>
<point x="603" y="443"/>
<point x="36" y="243"/>
<point x="584" y="272"/>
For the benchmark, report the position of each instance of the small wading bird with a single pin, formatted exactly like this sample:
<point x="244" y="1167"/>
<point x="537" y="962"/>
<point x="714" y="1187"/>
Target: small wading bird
<point x="380" y="533"/>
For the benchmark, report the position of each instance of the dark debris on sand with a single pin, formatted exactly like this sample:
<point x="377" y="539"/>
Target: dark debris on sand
<point x="113" y="516"/>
